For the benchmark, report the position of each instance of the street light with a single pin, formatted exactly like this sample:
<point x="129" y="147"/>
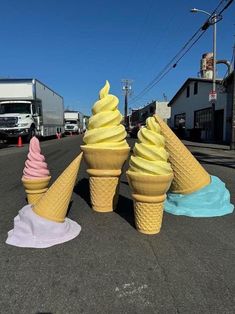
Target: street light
<point x="212" y="20"/>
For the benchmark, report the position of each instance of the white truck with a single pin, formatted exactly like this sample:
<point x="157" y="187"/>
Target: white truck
<point x="84" y="123"/>
<point x="28" y="107"/>
<point x="73" y="122"/>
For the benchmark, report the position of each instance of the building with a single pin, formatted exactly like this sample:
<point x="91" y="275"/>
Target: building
<point x="229" y="85"/>
<point x="192" y="111"/>
<point x="194" y="115"/>
<point x="139" y="116"/>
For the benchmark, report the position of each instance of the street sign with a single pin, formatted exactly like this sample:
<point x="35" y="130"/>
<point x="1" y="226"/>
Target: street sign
<point x="212" y="96"/>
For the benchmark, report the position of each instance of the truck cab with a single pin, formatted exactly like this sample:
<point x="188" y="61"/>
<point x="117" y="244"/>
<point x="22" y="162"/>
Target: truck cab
<point x="18" y="118"/>
<point x="29" y="107"/>
<point x="71" y="126"/>
<point x="72" y="122"/>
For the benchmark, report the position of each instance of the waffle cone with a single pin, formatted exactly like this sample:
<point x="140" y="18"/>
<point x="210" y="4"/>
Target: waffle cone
<point x="189" y="175"/>
<point x="104" y="168"/>
<point x="148" y="217"/>
<point x="149" y="193"/>
<point x="54" y="204"/>
<point x="35" y="188"/>
<point x="103" y="191"/>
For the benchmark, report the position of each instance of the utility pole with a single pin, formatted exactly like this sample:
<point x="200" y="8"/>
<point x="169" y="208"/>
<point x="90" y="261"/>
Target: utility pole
<point x="232" y="144"/>
<point x="126" y="87"/>
<point x="212" y="20"/>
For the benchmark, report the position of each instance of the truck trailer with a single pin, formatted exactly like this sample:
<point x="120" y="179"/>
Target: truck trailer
<point x="73" y="122"/>
<point x="28" y="107"/>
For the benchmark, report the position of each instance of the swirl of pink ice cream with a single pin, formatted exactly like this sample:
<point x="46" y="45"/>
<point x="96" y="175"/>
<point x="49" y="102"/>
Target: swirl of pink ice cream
<point x="35" y="165"/>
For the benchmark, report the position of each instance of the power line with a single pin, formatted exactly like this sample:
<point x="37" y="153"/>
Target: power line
<point x="172" y="64"/>
<point x="182" y="52"/>
<point x="163" y="29"/>
<point x="231" y="64"/>
<point x="225" y="7"/>
<point x="140" y="35"/>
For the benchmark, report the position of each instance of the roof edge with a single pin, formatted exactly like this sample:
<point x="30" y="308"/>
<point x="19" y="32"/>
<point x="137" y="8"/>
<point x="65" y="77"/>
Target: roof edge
<point x="191" y="79"/>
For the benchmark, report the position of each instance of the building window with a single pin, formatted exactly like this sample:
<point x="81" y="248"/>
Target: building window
<point x="195" y="90"/>
<point x="180" y="120"/>
<point x="33" y="108"/>
<point x="202" y="119"/>
<point x="188" y="91"/>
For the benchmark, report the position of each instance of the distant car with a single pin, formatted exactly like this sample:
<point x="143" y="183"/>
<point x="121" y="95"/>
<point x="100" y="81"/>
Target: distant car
<point x="134" y="130"/>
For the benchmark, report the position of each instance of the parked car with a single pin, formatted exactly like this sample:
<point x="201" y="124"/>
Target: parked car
<point x="134" y="130"/>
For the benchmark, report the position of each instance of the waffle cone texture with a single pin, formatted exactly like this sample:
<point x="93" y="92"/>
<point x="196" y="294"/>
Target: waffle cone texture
<point x="189" y="175"/>
<point x="103" y="191"/>
<point x="149" y="194"/>
<point x="35" y="188"/>
<point x="104" y="168"/>
<point x="54" y="204"/>
<point x="148" y="217"/>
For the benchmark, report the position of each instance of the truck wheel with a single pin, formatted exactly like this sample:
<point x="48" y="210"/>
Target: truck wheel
<point x="31" y="134"/>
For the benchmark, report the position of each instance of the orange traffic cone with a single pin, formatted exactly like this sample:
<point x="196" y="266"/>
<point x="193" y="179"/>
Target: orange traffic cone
<point x="19" y="143"/>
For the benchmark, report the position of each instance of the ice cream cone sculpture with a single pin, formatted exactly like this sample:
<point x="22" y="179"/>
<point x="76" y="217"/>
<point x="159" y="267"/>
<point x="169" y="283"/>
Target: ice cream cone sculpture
<point x="35" y="188"/>
<point x="36" y="175"/>
<point x="105" y="150"/>
<point x="45" y="224"/>
<point x="189" y="175"/>
<point x="104" y="168"/>
<point x="149" y="176"/>
<point x="149" y="194"/>
<point x="54" y="204"/>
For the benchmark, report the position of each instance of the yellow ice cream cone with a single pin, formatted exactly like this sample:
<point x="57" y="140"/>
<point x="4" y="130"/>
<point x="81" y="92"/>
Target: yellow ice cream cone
<point x="35" y="188"/>
<point x="104" y="168"/>
<point x="54" y="204"/>
<point x="149" y="193"/>
<point x="189" y="175"/>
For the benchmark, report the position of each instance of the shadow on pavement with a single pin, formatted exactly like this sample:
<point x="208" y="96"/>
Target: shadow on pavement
<point x="124" y="206"/>
<point x="125" y="209"/>
<point x="225" y="161"/>
<point x="69" y="207"/>
<point x="124" y="182"/>
<point x="82" y="189"/>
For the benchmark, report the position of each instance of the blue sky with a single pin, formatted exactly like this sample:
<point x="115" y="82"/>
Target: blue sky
<point x="73" y="46"/>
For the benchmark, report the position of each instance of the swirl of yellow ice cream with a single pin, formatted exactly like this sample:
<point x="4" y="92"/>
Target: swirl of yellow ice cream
<point x="150" y="156"/>
<point x="104" y="128"/>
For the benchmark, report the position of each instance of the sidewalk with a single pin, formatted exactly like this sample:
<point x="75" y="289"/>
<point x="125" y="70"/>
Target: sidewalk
<point x="212" y="154"/>
<point x="206" y="145"/>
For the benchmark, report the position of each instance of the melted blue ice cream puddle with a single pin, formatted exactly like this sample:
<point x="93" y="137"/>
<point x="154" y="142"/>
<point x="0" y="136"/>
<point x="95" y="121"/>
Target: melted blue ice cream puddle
<point x="211" y="201"/>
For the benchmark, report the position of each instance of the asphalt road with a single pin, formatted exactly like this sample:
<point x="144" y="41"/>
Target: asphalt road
<point x="110" y="267"/>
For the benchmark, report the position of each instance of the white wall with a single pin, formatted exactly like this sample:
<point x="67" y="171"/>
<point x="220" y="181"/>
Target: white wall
<point x="163" y="110"/>
<point x="197" y="102"/>
<point x="16" y="90"/>
<point x="52" y="105"/>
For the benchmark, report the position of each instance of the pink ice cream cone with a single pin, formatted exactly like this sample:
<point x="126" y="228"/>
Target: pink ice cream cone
<point x="36" y="175"/>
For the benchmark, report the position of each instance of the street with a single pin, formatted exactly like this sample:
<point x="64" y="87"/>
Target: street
<point x="110" y="267"/>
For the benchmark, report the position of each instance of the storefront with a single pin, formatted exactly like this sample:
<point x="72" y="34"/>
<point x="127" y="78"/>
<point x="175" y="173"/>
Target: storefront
<point x="199" y="118"/>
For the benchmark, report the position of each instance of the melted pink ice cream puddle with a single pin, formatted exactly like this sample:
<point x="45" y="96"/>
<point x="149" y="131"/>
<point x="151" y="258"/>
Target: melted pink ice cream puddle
<point x="35" y="165"/>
